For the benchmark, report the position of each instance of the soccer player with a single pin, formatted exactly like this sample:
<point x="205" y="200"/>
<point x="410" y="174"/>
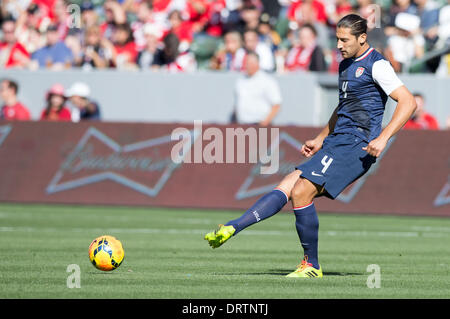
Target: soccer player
<point x="343" y="151"/>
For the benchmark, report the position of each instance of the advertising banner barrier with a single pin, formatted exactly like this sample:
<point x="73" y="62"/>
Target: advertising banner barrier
<point x="205" y="166"/>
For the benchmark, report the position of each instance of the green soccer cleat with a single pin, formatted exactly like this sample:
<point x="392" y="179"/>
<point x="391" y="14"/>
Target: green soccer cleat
<point x="219" y="236"/>
<point x="306" y="270"/>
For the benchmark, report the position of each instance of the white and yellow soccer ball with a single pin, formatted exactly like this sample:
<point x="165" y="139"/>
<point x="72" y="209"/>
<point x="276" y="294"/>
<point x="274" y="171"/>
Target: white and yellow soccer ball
<point x="106" y="253"/>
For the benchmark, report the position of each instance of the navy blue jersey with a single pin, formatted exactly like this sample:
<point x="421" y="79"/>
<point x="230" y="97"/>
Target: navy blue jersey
<point x="363" y="92"/>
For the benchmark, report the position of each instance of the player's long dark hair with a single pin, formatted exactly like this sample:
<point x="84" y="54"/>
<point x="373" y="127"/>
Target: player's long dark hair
<point x="356" y="24"/>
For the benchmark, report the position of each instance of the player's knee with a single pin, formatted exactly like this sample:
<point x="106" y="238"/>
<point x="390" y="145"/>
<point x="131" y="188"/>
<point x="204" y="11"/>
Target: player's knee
<point x="298" y="191"/>
<point x="302" y="191"/>
<point x="288" y="182"/>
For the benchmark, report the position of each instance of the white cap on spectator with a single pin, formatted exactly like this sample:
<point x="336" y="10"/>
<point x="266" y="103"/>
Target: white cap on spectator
<point x="152" y="29"/>
<point x="79" y="89"/>
<point x="407" y="21"/>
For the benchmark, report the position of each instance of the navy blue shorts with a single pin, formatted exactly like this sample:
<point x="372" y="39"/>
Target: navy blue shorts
<point x="338" y="164"/>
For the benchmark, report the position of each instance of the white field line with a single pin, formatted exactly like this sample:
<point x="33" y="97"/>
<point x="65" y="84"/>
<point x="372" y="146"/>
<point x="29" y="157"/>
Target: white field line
<point x="396" y="234"/>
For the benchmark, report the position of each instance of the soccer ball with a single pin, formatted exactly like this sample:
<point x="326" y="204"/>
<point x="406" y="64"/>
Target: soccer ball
<point x="106" y="253"/>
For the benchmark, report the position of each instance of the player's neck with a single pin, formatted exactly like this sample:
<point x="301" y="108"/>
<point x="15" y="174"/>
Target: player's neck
<point x="362" y="50"/>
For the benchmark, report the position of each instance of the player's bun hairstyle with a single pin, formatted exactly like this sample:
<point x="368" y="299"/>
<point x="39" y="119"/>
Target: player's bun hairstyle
<point x="356" y="24"/>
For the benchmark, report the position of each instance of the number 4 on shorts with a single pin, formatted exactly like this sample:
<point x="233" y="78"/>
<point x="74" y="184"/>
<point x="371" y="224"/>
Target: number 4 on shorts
<point x="326" y="162"/>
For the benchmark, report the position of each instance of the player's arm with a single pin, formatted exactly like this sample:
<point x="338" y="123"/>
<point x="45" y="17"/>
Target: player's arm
<point x="406" y="105"/>
<point x="384" y="75"/>
<point x="269" y="118"/>
<point x="312" y="146"/>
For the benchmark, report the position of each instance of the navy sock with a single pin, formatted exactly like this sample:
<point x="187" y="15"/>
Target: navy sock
<point x="266" y="206"/>
<point x="307" y="224"/>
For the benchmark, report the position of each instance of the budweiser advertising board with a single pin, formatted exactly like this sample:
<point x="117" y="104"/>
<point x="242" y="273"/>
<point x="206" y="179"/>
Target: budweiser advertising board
<point x="194" y="165"/>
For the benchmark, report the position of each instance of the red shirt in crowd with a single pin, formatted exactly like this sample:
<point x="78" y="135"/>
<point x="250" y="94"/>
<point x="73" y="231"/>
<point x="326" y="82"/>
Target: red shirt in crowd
<point x="53" y="115"/>
<point x="46" y="7"/>
<point x="16" y="52"/>
<point x="16" y="112"/>
<point x="129" y="48"/>
<point x="160" y="5"/>
<point x="214" y="25"/>
<point x="197" y="17"/>
<point x="295" y="11"/>
<point x="427" y="122"/>
<point x="183" y="32"/>
<point x="344" y="9"/>
<point x="299" y="58"/>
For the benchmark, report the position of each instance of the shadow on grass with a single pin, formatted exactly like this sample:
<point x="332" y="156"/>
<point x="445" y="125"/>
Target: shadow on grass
<point x="284" y="272"/>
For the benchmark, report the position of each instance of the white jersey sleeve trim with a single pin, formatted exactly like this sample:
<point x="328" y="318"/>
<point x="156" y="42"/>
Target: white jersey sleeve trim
<point x="384" y="75"/>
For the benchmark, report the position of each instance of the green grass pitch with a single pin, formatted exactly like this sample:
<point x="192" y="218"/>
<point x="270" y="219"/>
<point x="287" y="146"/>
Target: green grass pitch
<point x="166" y="256"/>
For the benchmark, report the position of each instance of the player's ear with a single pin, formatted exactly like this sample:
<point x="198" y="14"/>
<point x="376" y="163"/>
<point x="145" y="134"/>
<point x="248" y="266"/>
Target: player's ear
<point x="362" y="39"/>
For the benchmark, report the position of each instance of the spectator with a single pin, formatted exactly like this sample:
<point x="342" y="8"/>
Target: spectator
<point x="232" y="16"/>
<point x="250" y="16"/>
<point x="341" y="9"/>
<point x="367" y="11"/>
<point x="147" y="54"/>
<point x="84" y="108"/>
<point x="257" y="95"/>
<point x="181" y="28"/>
<point x="56" y="109"/>
<point x="405" y="6"/>
<point x="407" y="44"/>
<point x="171" y="59"/>
<point x="13" y="8"/>
<point x="12" y="53"/>
<point x="46" y="7"/>
<point x="28" y="26"/>
<point x="93" y="54"/>
<point x="306" y="55"/>
<point x="161" y="10"/>
<point x="428" y="11"/>
<point x="122" y="50"/>
<point x="214" y="26"/>
<point x="398" y="6"/>
<point x="55" y="54"/>
<point x="89" y="16"/>
<point x="225" y="59"/>
<point x="61" y="18"/>
<point x="421" y="119"/>
<point x="12" y="109"/>
<point x="253" y="44"/>
<point x="114" y="15"/>
<point x="196" y="12"/>
<point x="145" y="17"/>
<point x="307" y="11"/>
<point x="267" y="34"/>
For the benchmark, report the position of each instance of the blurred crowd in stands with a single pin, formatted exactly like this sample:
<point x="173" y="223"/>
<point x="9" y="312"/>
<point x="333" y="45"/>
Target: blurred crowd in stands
<point x="222" y="35"/>
<point x="189" y="35"/>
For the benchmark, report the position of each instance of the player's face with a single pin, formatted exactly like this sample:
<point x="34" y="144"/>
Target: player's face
<point x="347" y="43"/>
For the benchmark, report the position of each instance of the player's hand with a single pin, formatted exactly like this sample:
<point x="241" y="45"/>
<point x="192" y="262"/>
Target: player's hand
<point x="375" y="146"/>
<point x="311" y="147"/>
